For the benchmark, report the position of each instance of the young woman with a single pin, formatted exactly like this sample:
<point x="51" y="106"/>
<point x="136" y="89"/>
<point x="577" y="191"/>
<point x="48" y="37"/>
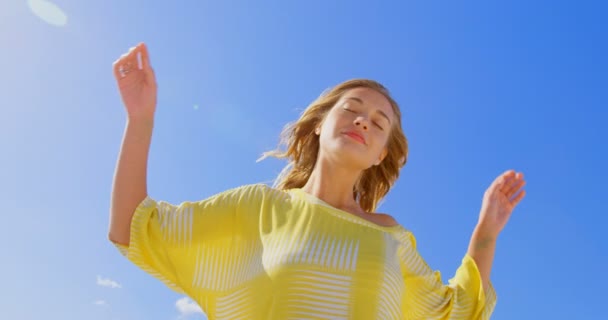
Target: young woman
<point x="311" y="246"/>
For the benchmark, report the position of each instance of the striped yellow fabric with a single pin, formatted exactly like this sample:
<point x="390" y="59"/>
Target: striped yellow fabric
<point x="255" y="252"/>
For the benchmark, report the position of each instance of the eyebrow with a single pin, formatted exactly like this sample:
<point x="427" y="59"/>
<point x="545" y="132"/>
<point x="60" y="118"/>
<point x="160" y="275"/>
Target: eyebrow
<point x="379" y="111"/>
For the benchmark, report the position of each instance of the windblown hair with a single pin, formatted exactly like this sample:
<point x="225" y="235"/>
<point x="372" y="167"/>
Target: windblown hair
<point x="302" y="147"/>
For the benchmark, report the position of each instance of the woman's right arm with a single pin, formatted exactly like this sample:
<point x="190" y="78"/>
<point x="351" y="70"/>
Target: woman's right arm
<point x="138" y="90"/>
<point x="130" y="185"/>
<point x="179" y="244"/>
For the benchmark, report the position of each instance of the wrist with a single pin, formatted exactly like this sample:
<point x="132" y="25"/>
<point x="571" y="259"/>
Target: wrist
<point x="485" y="235"/>
<point x="140" y="120"/>
<point x="140" y="125"/>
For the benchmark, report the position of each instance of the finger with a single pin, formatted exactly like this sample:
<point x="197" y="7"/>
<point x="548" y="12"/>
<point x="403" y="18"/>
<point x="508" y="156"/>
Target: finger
<point x="145" y="61"/>
<point x="500" y="181"/>
<point x="516" y="186"/>
<point x="513" y="181"/>
<point x="116" y="66"/>
<point x="145" y="57"/>
<point x="131" y="58"/>
<point x="518" y="198"/>
<point x="506" y="177"/>
<point x="127" y="63"/>
<point x="510" y="180"/>
<point x="509" y="173"/>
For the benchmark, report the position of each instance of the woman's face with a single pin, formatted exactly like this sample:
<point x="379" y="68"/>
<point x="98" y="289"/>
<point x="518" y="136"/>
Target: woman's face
<point x="356" y="130"/>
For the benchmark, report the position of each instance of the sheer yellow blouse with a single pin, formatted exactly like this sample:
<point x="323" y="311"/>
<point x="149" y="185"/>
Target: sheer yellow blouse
<point x="255" y="252"/>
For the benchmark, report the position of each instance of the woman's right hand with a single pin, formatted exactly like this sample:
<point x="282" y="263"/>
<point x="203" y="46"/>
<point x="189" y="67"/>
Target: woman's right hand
<point x="137" y="85"/>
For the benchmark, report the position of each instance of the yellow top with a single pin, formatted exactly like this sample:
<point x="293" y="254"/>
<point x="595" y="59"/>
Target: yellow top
<point x="254" y="252"/>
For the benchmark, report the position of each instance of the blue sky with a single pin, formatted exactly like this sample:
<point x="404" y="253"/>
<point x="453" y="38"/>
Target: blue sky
<point x="484" y="87"/>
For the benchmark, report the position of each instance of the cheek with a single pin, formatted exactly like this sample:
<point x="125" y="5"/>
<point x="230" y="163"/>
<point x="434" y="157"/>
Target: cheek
<point x="332" y="122"/>
<point x="381" y="139"/>
<point x="382" y="143"/>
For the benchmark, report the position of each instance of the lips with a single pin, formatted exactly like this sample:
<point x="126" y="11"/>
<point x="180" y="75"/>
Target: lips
<point x="355" y="136"/>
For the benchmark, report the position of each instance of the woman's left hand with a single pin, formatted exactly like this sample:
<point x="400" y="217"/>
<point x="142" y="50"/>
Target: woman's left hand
<point x="499" y="201"/>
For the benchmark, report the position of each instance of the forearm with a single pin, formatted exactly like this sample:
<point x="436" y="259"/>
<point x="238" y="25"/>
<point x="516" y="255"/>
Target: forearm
<point x="481" y="249"/>
<point x="130" y="184"/>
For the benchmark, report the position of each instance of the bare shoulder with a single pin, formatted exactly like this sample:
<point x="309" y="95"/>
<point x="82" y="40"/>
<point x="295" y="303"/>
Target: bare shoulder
<point x="386" y="220"/>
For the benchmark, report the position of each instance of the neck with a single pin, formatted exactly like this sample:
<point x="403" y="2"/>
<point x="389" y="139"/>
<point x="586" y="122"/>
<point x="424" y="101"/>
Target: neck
<point x="333" y="184"/>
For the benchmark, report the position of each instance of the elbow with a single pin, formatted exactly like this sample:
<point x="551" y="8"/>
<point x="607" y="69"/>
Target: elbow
<point x="117" y="239"/>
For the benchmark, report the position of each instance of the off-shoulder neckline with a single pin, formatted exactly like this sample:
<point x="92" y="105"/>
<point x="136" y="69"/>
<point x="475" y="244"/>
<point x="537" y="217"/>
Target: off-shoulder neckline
<point x="343" y="214"/>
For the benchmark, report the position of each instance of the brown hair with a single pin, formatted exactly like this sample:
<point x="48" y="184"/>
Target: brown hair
<point x="302" y="147"/>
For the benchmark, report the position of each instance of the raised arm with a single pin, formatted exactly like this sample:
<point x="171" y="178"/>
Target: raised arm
<point x="498" y="203"/>
<point x="138" y="90"/>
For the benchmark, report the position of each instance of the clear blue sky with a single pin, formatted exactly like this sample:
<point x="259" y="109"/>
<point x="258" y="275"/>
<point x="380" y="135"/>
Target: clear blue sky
<point x="483" y="88"/>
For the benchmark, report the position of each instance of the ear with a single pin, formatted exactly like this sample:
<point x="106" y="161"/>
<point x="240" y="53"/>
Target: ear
<point x="382" y="156"/>
<point x="318" y="131"/>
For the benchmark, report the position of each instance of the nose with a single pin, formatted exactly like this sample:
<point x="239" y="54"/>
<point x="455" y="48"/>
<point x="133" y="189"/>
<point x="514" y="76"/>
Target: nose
<point x="362" y="122"/>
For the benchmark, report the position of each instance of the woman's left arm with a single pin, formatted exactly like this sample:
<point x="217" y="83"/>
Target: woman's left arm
<point x="498" y="203"/>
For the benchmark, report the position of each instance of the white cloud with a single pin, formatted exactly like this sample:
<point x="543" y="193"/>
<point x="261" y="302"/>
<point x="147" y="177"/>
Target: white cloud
<point x="108" y="283"/>
<point x="100" y="303"/>
<point x="48" y="12"/>
<point x="187" y="307"/>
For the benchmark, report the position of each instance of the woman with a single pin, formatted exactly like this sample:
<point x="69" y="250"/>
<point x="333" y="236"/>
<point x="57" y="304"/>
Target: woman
<point x="311" y="246"/>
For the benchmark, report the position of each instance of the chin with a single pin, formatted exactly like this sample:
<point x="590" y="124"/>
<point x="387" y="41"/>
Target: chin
<point x="352" y="158"/>
<point x="348" y="153"/>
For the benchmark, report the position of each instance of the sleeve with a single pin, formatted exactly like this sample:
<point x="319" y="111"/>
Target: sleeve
<point x="427" y="297"/>
<point x="167" y="241"/>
